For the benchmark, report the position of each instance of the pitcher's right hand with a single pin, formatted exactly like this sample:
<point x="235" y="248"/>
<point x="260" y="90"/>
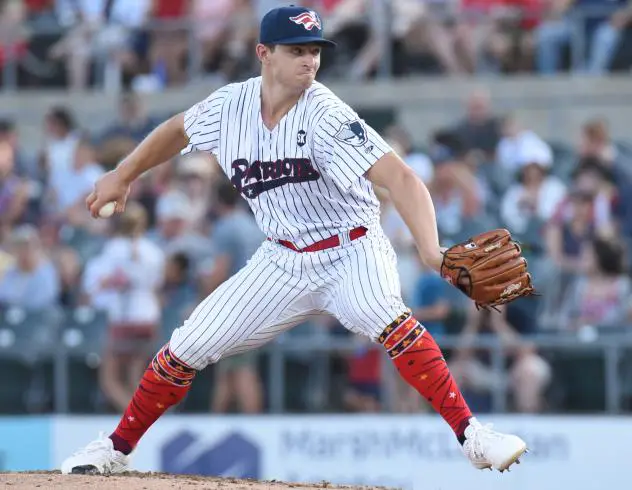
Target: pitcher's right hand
<point x="110" y="187"/>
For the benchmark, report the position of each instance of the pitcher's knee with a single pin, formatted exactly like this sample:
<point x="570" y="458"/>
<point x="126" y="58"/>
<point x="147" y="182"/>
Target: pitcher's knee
<point x="372" y="323"/>
<point x="192" y="354"/>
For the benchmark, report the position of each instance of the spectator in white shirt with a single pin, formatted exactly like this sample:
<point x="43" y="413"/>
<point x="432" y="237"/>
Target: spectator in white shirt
<point x="81" y="19"/>
<point x="175" y="230"/>
<point x="513" y="143"/>
<point x="70" y="187"/>
<point x="96" y="28"/>
<point x="194" y="176"/>
<point x="61" y="141"/>
<point x="457" y="194"/>
<point x="31" y="281"/>
<point x="401" y="142"/>
<point x="537" y="194"/>
<point x="125" y="281"/>
<point x="72" y="12"/>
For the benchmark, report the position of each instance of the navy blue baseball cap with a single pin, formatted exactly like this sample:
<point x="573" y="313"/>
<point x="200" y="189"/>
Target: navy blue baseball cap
<point x="292" y="25"/>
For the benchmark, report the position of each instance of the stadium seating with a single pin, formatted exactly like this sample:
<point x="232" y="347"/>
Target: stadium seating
<point x="28" y="353"/>
<point x="84" y="336"/>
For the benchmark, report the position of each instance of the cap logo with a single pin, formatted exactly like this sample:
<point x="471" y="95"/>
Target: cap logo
<point x="308" y="20"/>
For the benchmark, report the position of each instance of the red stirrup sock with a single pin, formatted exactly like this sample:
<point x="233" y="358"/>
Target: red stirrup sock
<point x="420" y="362"/>
<point x="165" y="383"/>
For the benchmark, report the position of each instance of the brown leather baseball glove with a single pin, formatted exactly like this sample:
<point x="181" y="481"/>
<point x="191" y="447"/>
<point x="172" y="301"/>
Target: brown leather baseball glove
<point x="489" y="268"/>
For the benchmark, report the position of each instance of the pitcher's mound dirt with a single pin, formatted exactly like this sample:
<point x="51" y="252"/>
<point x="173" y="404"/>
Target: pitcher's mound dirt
<point x="149" y="481"/>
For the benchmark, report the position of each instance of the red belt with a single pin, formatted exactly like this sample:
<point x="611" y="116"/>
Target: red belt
<point x="331" y="242"/>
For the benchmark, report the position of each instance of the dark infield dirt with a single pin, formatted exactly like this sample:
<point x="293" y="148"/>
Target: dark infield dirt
<point x="44" y="480"/>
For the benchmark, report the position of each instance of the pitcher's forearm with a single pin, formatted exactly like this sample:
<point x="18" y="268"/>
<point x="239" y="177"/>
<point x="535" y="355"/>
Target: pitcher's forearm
<point x="162" y="144"/>
<point x="414" y="204"/>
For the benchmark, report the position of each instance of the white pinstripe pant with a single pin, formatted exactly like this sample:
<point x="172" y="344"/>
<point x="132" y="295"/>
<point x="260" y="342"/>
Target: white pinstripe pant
<point x="356" y="282"/>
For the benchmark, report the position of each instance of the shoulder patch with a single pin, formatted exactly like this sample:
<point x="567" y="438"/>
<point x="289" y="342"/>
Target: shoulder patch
<point x="200" y="108"/>
<point x="352" y="133"/>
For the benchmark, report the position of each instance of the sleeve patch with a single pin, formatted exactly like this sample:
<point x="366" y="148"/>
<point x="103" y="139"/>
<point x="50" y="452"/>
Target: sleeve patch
<point x="200" y="108"/>
<point x="352" y="133"/>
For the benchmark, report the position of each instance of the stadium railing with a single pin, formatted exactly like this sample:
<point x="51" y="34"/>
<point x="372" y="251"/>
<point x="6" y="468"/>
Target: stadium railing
<point x="80" y="335"/>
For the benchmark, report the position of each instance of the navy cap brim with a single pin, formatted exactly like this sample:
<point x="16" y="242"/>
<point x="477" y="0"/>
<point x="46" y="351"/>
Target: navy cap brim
<point x="306" y="40"/>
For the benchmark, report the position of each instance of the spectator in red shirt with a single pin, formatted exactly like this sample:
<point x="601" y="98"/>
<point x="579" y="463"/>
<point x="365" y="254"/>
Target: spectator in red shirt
<point x="13" y="35"/>
<point x="169" y="43"/>
<point x="364" y="379"/>
<point x="170" y="9"/>
<point x="37" y="5"/>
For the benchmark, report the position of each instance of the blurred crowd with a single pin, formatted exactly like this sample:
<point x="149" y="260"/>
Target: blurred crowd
<point x="186" y="230"/>
<point x="153" y="44"/>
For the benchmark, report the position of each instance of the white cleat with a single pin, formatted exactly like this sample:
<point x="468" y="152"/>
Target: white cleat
<point x="486" y="448"/>
<point x="97" y="458"/>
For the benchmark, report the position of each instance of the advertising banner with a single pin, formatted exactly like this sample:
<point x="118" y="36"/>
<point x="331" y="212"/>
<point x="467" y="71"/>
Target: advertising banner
<point x="25" y="443"/>
<point x="408" y="452"/>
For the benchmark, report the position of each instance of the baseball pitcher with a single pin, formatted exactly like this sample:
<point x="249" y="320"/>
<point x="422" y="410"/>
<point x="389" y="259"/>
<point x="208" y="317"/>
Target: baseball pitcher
<point x="306" y="164"/>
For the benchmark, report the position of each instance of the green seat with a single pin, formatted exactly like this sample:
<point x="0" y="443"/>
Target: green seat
<point x="579" y="377"/>
<point x="28" y="350"/>
<point x="28" y="336"/>
<point x="84" y="333"/>
<point x="84" y="393"/>
<point x="84" y="336"/>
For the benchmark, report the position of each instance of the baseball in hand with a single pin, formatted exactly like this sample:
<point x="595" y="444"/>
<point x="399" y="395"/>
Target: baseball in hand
<point x="107" y="210"/>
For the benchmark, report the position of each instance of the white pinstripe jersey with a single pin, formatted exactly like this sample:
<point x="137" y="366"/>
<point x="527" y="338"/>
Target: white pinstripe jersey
<point x="302" y="179"/>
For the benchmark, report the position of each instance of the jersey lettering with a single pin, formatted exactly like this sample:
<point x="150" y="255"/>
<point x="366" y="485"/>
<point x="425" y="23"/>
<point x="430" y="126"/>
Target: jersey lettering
<point x="269" y="175"/>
